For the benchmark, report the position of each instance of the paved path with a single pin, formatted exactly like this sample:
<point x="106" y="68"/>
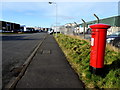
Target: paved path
<point x="49" y="69"/>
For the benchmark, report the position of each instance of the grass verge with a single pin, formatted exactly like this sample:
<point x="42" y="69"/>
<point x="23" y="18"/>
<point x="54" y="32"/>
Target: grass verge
<point x="77" y="52"/>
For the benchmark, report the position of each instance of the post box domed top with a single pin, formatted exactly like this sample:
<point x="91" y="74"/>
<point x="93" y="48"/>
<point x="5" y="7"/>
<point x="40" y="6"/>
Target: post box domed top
<point x="100" y="26"/>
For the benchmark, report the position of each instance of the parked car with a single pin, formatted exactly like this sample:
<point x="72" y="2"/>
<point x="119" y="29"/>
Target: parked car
<point x="51" y="31"/>
<point x="88" y="31"/>
<point x="0" y="30"/>
<point x="114" y="39"/>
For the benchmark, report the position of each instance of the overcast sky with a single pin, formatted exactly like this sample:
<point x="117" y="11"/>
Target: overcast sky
<point x="44" y="15"/>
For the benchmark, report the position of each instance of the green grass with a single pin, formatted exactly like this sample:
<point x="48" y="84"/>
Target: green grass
<point x="77" y="52"/>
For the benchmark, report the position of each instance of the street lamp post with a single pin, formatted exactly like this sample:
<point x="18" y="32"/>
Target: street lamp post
<point x="56" y="14"/>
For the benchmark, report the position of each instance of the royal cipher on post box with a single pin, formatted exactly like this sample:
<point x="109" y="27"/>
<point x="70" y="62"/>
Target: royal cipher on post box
<point x="98" y="43"/>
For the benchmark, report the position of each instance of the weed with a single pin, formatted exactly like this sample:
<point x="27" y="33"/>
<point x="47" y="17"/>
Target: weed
<point x="78" y="52"/>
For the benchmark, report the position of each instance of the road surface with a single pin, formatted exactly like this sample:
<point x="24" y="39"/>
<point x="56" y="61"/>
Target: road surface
<point x="15" y="50"/>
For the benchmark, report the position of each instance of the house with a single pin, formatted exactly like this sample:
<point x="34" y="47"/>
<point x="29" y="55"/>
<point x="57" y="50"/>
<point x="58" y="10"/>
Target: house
<point x="9" y="27"/>
<point x="71" y="28"/>
<point x="112" y="21"/>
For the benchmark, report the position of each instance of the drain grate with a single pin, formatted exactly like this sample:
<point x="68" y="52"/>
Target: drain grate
<point x="45" y="51"/>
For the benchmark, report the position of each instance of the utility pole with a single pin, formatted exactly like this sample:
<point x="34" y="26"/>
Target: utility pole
<point x="56" y="14"/>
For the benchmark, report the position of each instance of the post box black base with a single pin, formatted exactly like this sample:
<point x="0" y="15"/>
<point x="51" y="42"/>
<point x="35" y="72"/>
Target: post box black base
<point x="96" y="71"/>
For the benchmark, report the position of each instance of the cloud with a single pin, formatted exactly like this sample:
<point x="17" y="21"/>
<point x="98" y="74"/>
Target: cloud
<point x="21" y="6"/>
<point x="29" y="8"/>
<point x="60" y="0"/>
<point x="67" y="17"/>
<point x="66" y="11"/>
<point x="0" y="10"/>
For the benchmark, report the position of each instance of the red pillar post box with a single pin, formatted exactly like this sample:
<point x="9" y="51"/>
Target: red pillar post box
<point x="98" y="43"/>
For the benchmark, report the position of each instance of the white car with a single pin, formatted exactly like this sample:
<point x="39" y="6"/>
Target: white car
<point x="50" y="31"/>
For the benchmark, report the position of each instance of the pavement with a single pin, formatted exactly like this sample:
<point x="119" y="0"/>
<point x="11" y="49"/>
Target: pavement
<point x="49" y="69"/>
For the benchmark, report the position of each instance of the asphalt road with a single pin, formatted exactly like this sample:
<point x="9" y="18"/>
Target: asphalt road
<point x="15" y="50"/>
